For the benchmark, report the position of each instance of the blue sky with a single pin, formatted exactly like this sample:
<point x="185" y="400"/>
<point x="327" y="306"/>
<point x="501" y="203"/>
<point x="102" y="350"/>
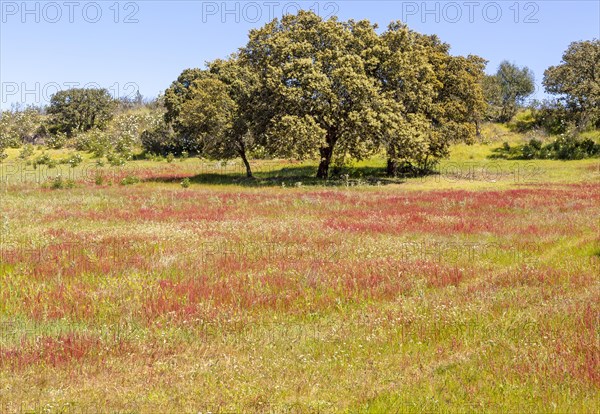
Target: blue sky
<point x="123" y="46"/>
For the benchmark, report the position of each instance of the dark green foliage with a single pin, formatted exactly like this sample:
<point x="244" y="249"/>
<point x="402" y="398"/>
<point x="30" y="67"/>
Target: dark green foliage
<point x="163" y="140"/>
<point x="79" y="110"/>
<point x="576" y="82"/>
<point x="553" y="117"/>
<point x="565" y="147"/>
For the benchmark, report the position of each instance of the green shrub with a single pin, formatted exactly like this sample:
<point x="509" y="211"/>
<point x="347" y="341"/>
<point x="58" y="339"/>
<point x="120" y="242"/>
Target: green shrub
<point x="100" y="143"/>
<point x="56" y="141"/>
<point x="74" y="160"/>
<point x="536" y="144"/>
<point x="554" y="118"/>
<point x="565" y="147"/>
<point x="26" y="151"/>
<point x="524" y="121"/>
<point x="170" y="157"/>
<point x="116" y="160"/>
<point x="528" y="152"/>
<point x="44" y="159"/>
<point x="161" y="140"/>
<point x="185" y="183"/>
<point x="58" y="183"/>
<point x="95" y="141"/>
<point x="130" y="180"/>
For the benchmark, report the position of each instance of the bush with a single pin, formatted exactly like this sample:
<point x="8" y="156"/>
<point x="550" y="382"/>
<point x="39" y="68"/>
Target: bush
<point x="59" y="183"/>
<point x="105" y="143"/>
<point x="56" y="141"/>
<point x="26" y="151"/>
<point x="570" y="148"/>
<point x="536" y="144"/>
<point x="116" y="160"/>
<point x="554" y="118"/>
<point x="44" y="159"/>
<point x="74" y="160"/>
<point x="162" y="140"/>
<point x="130" y="180"/>
<point x="565" y="147"/>
<point x="524" y="121"/>
<point x="95" y="141"/>
<point x="528" y="152"/>
<point x="185" y="183"/>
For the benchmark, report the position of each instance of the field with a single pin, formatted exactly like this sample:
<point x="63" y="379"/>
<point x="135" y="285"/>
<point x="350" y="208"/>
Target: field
<point x="475" y="289"/>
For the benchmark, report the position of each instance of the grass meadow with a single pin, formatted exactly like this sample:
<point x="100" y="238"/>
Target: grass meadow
<point x="475" y="289"/>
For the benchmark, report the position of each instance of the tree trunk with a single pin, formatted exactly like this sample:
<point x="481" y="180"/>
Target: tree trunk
<point x="425" y="166"/>
<point x="326" y="154"/>
<point x="246" y="163"/>
<point x="392" y="167"/>
<point x="323" y="171"/>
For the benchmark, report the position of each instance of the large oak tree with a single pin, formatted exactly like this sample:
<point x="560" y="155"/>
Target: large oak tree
<point x="316" y="94"/>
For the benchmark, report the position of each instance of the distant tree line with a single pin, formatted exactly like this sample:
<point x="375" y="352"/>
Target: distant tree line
<point x="307" y="88"/>
<point x="575" y="83"/>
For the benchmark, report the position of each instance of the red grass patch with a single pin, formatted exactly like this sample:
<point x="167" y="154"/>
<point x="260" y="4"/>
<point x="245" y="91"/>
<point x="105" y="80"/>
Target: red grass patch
<point x="50" y="351"/>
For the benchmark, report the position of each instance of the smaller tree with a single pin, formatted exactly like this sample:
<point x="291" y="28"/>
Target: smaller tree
<point x="79" y="110"/>
<point x="577" y="81"/>
<point x="210" y="113"/>
<point x="493" y="97"/>
<point x="507" y="89"/>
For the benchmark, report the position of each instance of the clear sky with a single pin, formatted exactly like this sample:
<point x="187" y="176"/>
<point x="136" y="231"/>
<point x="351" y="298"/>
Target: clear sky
<point x="123" y="46"/>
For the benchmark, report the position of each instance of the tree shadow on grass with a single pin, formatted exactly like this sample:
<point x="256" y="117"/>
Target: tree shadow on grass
<point x="290" y="177"/>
